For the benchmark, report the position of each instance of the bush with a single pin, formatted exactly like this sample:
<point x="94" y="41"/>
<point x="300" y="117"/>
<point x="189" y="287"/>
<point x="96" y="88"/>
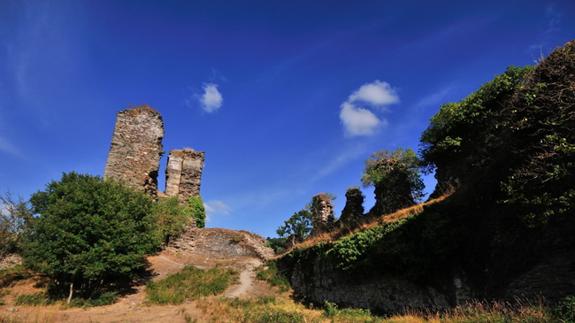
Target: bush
<point x="14" y="217"/>
<point x="565" y="311"/>
<point x="197" y="211"/>
<point x="271" y="274"/>
<point x="171" y="218"/>
<point x="90" y="234"/>
<point x="12" y="274"/>
<point x="397" y="180"/>
<point x="190" y="283"/>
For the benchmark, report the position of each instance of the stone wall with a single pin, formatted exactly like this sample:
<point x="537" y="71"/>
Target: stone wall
<point x="184" y="173"/>
<point x="353" y="211"/>
<point x="322" y="213"/>
<point x="136" y="149"/>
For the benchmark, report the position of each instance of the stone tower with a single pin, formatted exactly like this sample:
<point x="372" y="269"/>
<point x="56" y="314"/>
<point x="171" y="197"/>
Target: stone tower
<point x="134" y="157"/>
<point x="321" y="213"/>
<point x="184" y="173"/>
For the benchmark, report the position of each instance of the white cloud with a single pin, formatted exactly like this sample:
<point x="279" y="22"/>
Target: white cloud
<point x="360" y="121"/>
<point x="216" y="207"/>
<point x="212" y="99"/>
<point x="376" y="93"/>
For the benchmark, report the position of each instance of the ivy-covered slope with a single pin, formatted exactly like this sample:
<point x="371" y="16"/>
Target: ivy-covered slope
<point x="507" y="232"/>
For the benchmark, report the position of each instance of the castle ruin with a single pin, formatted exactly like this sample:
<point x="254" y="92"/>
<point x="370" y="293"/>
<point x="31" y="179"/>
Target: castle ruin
<point x="134" y="157"/>
<point x="321" y="214"/>
<point x="136" y="150"/>
<point x="184" y="173"/>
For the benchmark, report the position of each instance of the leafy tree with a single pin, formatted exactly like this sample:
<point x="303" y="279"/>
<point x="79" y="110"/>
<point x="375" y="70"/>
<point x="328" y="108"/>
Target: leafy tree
<point x="197" y="211"/>
<point x="89" y="234"/>
<point x="14" y="218"/>
<point x="396" y="177"/>
<point x="171" y="218"/>
<point x="297" y="228"/>
<point x="463" y="134"/>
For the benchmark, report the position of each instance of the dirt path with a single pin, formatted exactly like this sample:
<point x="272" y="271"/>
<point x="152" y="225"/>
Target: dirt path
<point x="247" y="278"/>
<point x="206" y="249"/>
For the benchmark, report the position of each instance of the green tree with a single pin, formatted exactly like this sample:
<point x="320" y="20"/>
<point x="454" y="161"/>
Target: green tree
<point x="89" y="234"/>
<point x="396" y="178"/>
<point x="462" y="135"/>
<point x="14" y="217"/>
<point x="297" y="228"/>
<point x="197" y="211"/>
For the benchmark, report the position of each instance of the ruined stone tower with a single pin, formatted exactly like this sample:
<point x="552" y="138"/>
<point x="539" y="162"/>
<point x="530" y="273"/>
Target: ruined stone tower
<point x="322" y="213"/>
<point x="184" y="173"/>
<point x="134" y="157"/>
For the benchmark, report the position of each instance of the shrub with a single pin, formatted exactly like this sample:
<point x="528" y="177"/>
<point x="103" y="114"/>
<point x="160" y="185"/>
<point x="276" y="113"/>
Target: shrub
<point x="171" y="218"/>
<point x="197" y="211"/>
<point x="565" y="311"/>
<point x="396" y="177"/>
<point x="89" y="234"/>
<point x="14" y="217"/>
<point x="271" y="274"/>
<point x="190" y="283"/>
<point x="12" y="274"/>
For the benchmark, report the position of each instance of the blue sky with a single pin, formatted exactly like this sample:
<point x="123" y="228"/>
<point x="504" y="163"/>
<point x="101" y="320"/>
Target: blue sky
<point x="287" y="98"/>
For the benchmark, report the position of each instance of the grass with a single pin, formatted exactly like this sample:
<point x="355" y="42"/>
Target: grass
<point x="12" y="274"/>
<point x="189" y="284"/>
<point x="2" y="294"/>
<point x="271" y="274"/>
<point x="368" y="223"/>
<point x="36" y="299"/>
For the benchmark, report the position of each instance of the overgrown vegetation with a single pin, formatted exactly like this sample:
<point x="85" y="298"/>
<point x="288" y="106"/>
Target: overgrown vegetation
<point x="171" y="218"/>
<point x="189" y="284"/>
<point x="509" y="151"/>
<point x="89" y="236"/>
<point x="12" y="274"/>
<point x="271" y="274"/>
<point x="396" y="178"/>
<point x="297" y="228"/>
<point x="197" y="211"/>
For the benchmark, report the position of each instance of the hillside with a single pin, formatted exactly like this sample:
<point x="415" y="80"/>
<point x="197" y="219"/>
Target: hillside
<point x="507" y="152"/>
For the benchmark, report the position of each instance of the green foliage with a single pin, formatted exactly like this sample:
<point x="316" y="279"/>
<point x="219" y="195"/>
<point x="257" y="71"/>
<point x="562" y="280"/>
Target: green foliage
<point x="14" y="217"/>
<point x="171" y="218"/>
<point x="277" y="244"/>
<point x="350" y="250"/>
<point x="271" y="274"/>
<point x="89" y="233"/>
<point x="105" y="298"/>
<point x="197" y="211"/>
<point x="297" y="228"/>
<point x="396" y="177"/>
<point x="460" y="134"/>
<point x="331" y="310"/>
<point x="564" y="312"/>
<point x="189" y="284"/>
<point x="36" y="299"/>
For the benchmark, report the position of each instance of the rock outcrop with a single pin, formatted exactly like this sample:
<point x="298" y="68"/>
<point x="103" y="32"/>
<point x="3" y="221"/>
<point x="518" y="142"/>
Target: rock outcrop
<point x="134" y="157"/>
<point x="184" y="173"/>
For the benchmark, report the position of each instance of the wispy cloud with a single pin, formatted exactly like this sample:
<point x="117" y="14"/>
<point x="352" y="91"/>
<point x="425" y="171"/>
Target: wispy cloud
<point x="434" y="98"/>
<point x="211" y="100"/>
<point x="355" y="113"/>
<point x="7" y="147"/>
<point x="340" y="160"/>
<point x="217" y="207"/>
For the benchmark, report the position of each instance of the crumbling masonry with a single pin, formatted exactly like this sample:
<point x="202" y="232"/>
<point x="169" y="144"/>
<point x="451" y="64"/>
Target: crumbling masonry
<point x="321" y="213"/>
<point x="184" y="173"/>
<point x="134" y="157"/>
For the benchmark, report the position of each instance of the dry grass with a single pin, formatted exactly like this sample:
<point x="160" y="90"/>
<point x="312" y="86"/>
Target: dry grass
<point x="368" y="222"/>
